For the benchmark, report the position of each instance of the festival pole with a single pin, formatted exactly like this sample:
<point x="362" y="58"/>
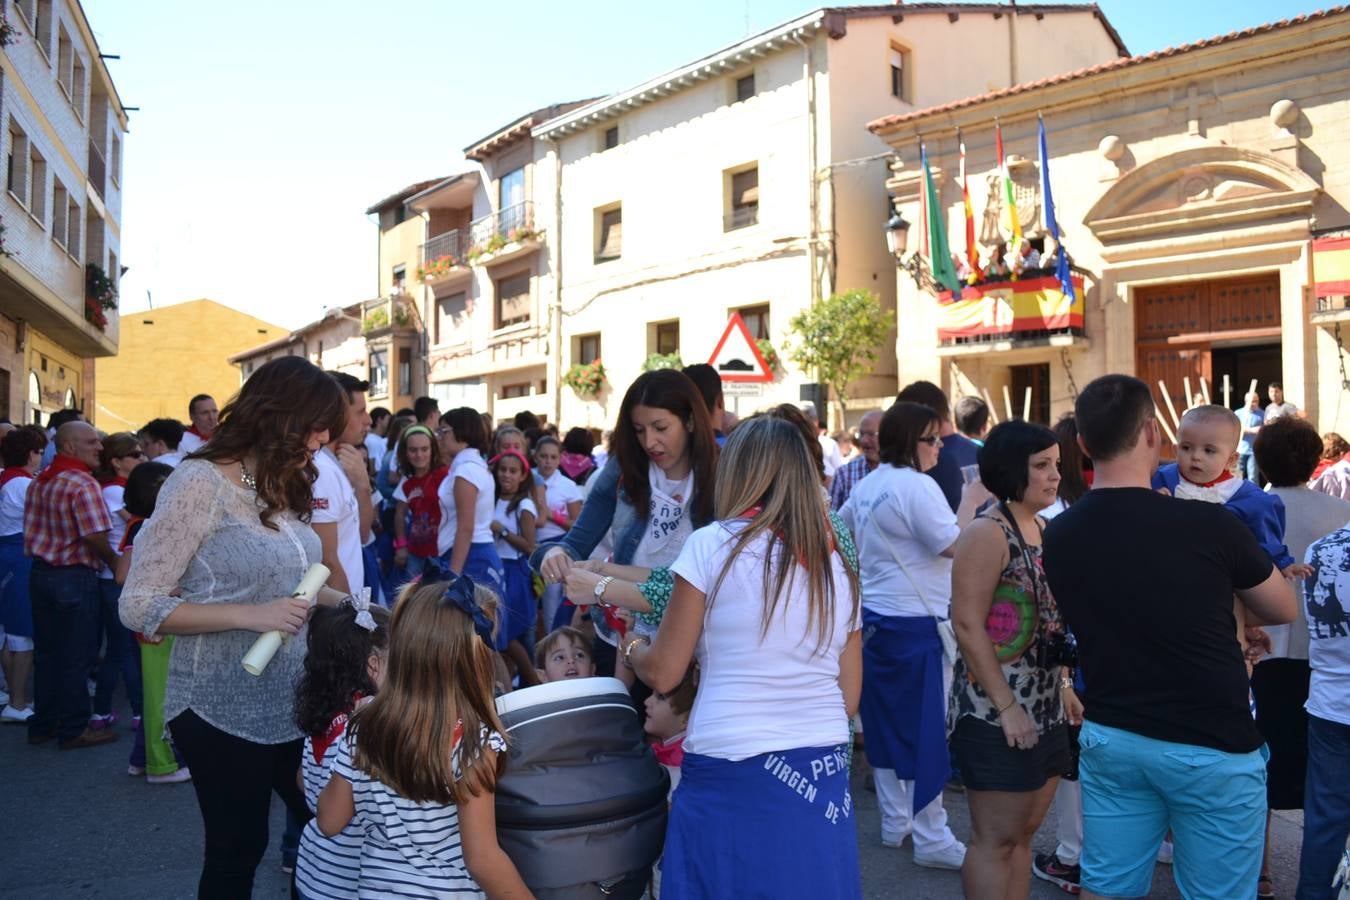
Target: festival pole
<point x="1189" y="398"/>
<point x="989" y="402"/>
<point x="1163" y="422"/>
<point x="1227" y="392"/>
<point x="1204" y="389"/>
<point x="1176" y="422"/>
<point x="1026" y="405"/>
<point x="1007" y="402"/>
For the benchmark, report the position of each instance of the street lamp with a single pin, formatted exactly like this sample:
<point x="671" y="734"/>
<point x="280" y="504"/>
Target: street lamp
<point x="897" y="239"/>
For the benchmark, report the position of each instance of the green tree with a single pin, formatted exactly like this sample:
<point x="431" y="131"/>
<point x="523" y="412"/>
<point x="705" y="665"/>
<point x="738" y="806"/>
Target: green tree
<point x="838" y="338"/>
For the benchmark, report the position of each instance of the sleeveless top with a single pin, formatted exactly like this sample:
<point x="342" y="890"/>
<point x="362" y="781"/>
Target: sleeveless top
<point x="1037" y="690"/>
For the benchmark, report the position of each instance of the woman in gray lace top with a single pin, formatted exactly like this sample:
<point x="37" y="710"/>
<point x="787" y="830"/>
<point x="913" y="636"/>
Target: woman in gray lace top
<point x="215" y="565"/>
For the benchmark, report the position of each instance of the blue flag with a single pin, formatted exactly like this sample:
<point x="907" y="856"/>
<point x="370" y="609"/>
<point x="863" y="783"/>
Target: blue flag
<point x="1048" y="204"/>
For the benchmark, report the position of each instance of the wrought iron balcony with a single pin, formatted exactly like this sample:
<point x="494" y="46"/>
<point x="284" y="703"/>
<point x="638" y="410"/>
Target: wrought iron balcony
<point x="741" y="217"/>
<point x="453" y="244"/>
<point x="98" y="170"/>
<point x="511" y="225"/>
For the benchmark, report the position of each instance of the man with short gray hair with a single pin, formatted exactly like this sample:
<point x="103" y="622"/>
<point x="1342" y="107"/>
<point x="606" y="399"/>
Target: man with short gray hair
<point x="866" y="460"/>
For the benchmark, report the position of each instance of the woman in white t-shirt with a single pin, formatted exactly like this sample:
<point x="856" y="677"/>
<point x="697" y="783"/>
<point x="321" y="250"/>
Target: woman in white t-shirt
<point x="121" y="453"/>
<point x="905" y="532"/>
<point x="468" y="501"/>
<point x="767" y="604"/>
<point x="21" y="450"/>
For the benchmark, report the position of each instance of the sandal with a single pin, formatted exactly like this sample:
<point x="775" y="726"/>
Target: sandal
<point x="1265" y="887"/>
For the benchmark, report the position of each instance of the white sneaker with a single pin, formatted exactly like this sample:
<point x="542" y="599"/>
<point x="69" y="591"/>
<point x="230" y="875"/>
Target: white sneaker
<point x="9" y="715"/>
<point x="892" y="838"/>
<point x="1165" y="853"/>
<point x="950" y="857"/>
<point x="178" y="776"/>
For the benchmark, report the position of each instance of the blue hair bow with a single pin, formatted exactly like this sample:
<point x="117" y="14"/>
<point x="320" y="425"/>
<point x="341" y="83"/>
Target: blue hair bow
<point x="460" y="593"/>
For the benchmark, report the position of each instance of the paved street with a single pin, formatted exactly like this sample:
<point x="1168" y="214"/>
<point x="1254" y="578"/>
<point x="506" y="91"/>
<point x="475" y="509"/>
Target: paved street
<point x="76" y="825"/>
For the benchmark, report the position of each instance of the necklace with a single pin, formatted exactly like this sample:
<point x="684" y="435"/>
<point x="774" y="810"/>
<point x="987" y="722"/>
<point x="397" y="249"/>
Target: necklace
<point x="247" y="477"/>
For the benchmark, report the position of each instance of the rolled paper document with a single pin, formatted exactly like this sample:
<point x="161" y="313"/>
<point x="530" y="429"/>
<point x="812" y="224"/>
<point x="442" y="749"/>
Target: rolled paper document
<point x="268" y="643"/>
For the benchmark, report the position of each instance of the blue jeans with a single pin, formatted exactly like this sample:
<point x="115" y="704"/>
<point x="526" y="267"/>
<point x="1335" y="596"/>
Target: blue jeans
<point x="1135" y="788"/>
<point x="1247" y="467"/>
<point x="65" y="617"/>
<point x="121" y="656"/>
<point x="1326" y="807"/>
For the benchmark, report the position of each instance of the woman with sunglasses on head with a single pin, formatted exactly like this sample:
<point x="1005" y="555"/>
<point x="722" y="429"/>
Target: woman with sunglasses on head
<point x="120" y="455"/>
<point x="906" y="534"/>
<point x="216" y="566"/>
<point x="1007" y="721"/>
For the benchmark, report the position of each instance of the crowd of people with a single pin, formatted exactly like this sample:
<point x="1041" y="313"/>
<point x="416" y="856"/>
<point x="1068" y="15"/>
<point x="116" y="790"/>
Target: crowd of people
<point x="1040" y="616"/>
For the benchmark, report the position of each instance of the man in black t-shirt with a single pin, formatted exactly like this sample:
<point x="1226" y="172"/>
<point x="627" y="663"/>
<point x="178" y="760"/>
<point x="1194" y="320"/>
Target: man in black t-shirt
<point x="1146" y="582"/>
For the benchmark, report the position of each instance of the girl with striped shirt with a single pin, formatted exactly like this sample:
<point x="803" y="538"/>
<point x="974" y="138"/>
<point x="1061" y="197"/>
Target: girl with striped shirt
<point x="344" y="667"/>
<point x="417" y="767"/>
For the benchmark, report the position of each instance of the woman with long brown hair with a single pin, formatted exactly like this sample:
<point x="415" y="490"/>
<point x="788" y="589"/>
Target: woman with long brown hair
<point x="215" y="565"/>
<point x="767" y="604"/>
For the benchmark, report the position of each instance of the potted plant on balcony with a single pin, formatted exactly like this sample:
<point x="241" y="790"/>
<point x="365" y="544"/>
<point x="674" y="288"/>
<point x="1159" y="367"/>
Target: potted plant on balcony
<point x="436" y="267"/>
<point x="587" y="379"/>
<point x="375" y="319"/>
<point x="100" y="294"/>
<point x="662" y="361"/>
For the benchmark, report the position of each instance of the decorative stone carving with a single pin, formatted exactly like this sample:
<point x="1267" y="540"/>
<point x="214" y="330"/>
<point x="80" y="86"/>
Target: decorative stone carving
<point x="1111" y="147"/>
<point x="1284" y="113"/>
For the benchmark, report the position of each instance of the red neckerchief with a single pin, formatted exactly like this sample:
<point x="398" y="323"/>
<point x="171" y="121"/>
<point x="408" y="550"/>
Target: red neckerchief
<point x="1088" y="476"/>
<point x="1224" y="477"/>
<point x="60" y="463"/>
<point x="801" y="560"/>
<point x="115" y="482"/>
<point x="670" y="752"/>
<point x="192" y="429"/>
<point x="12" y="472"/>
<point x="322" y="742"/>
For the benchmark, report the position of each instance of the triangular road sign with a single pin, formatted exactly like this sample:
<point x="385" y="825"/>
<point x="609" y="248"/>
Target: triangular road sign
<point x="737" y="357"/>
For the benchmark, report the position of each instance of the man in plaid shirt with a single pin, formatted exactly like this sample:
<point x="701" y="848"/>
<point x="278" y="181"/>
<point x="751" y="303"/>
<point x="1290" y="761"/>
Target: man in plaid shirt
<point x="854" y="471"/>
<point x="66" y="525"/>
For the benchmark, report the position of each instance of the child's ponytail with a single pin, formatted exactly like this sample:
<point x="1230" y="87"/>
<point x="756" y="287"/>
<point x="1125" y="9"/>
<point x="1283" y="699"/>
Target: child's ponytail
<point x="340" y="641"/>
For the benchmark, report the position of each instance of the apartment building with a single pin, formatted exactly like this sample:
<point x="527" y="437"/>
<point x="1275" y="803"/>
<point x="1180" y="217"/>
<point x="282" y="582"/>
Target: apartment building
<point x="62" y="125"/>
<point x="745" y="182"/>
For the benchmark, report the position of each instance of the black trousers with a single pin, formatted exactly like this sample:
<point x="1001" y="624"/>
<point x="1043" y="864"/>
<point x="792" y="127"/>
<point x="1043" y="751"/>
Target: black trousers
<point x="234" y="780"/>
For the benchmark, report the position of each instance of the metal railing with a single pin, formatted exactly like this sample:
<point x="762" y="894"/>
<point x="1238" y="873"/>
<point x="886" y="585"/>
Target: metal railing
<point x="453" y="244"/>
<point x="502" y="227"/>
<point x="98" y="170"/>
<point x="741" y="217"/>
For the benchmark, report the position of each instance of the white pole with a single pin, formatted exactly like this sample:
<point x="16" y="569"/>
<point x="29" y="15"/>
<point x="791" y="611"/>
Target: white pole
<point x="1026" y="405"/>
<point x="1204" y="389"/>
<point x="1007" y="402"/>
<point x="989" y="401"/>
<point x="1189" y="398"/>
<point x="1163" y="422"/>
<point x="1162" y="386"/>
<point x="1227" y="392"/>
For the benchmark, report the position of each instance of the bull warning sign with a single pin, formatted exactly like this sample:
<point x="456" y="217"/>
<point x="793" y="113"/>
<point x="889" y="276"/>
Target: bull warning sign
<point x="737" y="358"/>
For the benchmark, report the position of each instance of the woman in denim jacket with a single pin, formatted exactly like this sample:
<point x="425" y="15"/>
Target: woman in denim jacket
<point x="656" y="487"/>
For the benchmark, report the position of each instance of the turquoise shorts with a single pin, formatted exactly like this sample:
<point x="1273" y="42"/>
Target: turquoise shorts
<point x="1135" y="788"/>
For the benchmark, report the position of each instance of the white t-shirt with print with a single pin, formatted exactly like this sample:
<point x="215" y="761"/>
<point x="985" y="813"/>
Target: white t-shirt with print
<point x="559" y="491"/>
<point x="112" y="496"/>
<point x="511" y="520"/>
<point x="1325" y="601"/>
<point x="468" y="465"/>
<point x="335" y="503"/>
<point x="757" y="695"/>
<point x="668" y="522"/>
<point x="12" y="497"/>
<point x="901" y="509"/>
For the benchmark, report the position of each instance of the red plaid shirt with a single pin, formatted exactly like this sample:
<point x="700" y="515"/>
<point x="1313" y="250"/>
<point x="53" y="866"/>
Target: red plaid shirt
<point x="56" y="515"/>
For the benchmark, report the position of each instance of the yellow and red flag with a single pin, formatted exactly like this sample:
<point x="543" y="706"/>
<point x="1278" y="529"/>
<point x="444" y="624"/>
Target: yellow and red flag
<point x="972" y="253"/>
<point x="1008" y="198"/>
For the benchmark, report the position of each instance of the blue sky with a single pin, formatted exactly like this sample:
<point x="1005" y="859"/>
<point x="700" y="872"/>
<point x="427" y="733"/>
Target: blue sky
<point x="266" y="128"/>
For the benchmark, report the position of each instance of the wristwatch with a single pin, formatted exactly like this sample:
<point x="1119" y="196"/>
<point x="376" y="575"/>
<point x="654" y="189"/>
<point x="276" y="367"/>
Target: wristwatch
<point x="601" y="585"/>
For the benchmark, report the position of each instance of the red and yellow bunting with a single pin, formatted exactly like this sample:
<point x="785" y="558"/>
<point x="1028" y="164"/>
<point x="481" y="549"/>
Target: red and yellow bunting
<point x="1331" y="266"/>
<point x="1010" y="308"/>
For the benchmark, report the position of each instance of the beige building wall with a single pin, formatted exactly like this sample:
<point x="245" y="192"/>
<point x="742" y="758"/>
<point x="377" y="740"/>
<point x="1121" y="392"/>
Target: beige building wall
<point x="62" y="124"/>
<point x="1166" y="171"/>
<point x="335" y="343"/>
<point x="169" y="355"/>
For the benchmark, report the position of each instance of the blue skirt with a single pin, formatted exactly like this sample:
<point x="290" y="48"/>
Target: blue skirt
<point x="903" y="706"/>
<point x="16" y="607"/>
<point x="518" y="622"/>
<point x="774" y="825"/>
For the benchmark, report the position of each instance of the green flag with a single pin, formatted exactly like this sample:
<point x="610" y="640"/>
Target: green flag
<point x="940" y="255"/>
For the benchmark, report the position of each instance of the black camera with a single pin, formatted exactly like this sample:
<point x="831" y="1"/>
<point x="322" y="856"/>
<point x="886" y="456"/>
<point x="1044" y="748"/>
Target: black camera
<point x="1056" y="649"/>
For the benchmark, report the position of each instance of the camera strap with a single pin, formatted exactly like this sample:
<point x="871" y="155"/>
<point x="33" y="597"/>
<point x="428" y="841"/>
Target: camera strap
<point x="1026" y="553"/>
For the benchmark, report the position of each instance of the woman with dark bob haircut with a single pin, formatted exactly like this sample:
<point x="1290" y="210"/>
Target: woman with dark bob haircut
<point x="216" y="565"/>
<point x="468" y="496"/>
<point x="655" y="489"/>
<point x="1007" y="722"/>
<point x="1287" y="451"/>
<point x="906" y="531"/>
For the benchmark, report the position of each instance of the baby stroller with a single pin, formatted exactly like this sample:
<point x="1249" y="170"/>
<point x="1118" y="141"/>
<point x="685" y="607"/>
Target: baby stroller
<point x="581" y="810"/>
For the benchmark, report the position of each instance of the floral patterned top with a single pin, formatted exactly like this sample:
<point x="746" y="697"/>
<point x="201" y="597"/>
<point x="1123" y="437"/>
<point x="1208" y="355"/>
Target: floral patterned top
<point x="1036" y="689"/>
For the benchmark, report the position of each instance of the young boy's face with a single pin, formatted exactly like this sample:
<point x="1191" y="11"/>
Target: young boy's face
<point x="1205" y="450"/>
<point x="568" y="660"/>
<point x="663" y="722"/>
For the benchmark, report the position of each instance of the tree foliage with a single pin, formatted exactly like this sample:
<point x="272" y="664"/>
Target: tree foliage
<point x="838" y="338"/>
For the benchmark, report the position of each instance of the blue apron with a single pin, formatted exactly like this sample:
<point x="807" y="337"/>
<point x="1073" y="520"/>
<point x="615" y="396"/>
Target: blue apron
<point x="16" y="608"/>
<point x="774" y="825"/>
<point x="484" y="566"/>
<point x="520" y="602"/>
<point x="903" y="707"/>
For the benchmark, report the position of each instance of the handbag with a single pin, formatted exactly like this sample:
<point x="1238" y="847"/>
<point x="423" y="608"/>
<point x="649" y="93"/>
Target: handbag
<point x="946" y="632"/>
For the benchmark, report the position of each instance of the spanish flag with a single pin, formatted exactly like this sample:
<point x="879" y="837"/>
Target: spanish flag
<point x="1331" y="266"/>
<point x="972" y="252"/>
<point x="1008" y="198"/>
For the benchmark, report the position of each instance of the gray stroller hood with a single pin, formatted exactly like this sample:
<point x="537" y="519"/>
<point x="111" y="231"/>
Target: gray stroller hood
<point x="581" y="809"/>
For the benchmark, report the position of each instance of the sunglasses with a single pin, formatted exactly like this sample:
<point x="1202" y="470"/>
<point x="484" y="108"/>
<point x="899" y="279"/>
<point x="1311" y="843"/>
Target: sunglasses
<point x="932" y="440"/>
<point x="135" y="454"/>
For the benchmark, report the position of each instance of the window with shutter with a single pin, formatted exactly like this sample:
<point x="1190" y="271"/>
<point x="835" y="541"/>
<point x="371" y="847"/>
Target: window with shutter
<point x="744" y="199"/>
<point x="513" y="300"/>
<point x="588" y="349"/>
<point x="609" y="235"/>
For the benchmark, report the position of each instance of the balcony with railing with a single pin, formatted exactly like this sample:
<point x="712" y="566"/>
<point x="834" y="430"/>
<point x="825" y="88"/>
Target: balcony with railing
<point x="385" y="314"/>
<point x="443" y="258"/>
<point x="98" y="170"/>
<point x="504" y="235"/>
<point x="741" y="217"/>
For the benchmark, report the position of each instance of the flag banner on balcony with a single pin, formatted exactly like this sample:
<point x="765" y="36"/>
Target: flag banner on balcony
<point x="1009" y="308"/>
<point x="1009" y="197"/>
<point x="1051" y="224"/>
<point x="940" y="254"/>
<point x="972" y="251"/>
<point x="1331" y="266"/>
